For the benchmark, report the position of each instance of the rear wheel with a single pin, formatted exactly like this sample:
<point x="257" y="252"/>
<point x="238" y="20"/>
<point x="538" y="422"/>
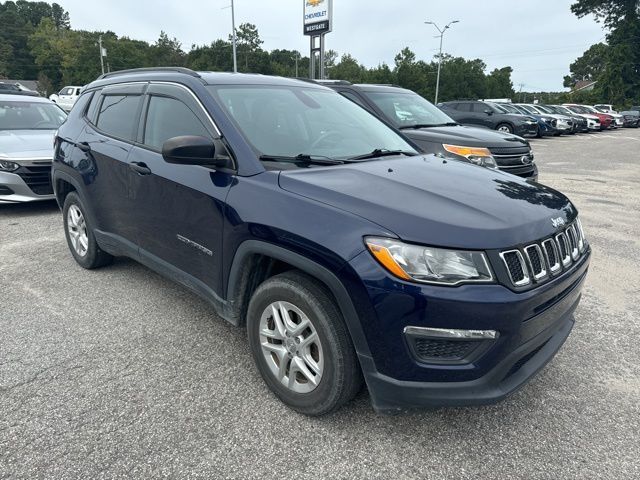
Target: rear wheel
<point x="505" y="128"/>
<point x="301" y="345"/>
<point x="80" y="238"/>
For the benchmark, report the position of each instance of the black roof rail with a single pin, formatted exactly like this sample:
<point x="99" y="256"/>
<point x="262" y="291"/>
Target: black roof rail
<point x="184" y="70"/>
<point x="324" y="82"/>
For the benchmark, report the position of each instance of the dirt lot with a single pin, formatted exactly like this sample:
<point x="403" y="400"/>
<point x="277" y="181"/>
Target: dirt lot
<point x="120" y="373"/>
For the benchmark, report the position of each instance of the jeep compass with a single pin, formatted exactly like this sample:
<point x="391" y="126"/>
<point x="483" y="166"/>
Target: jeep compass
<point x="347" y="256"/>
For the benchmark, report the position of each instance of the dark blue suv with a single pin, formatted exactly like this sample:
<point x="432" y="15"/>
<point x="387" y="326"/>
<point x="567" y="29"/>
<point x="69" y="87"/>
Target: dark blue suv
<point x="345" y="254"/>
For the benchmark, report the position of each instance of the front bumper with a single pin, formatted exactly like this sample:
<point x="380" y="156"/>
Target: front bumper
<point x="532" y="326"/>
<point x="27" y="184"/>
<point x="526" y="130"/>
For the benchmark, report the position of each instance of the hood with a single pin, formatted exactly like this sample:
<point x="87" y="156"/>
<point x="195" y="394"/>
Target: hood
<point x="431" y="201"/>
<point x="519" y="117"/>
<point x="17" y="144"/>
<point x="466" y="136"/>
<point x="588" y="116"/>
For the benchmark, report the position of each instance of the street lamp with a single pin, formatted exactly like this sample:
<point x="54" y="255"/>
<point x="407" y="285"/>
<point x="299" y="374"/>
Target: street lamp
<point x="233" y="28"/>
<point x="440" y="55"/>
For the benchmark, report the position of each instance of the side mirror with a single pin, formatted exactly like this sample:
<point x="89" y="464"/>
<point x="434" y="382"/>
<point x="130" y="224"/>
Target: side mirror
<point x="191" y="150"/>
<point x="488" y="112"/>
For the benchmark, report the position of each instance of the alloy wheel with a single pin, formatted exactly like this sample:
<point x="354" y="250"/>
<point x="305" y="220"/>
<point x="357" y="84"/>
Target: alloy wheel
<point x="291" y="347"/>
<point x="77" y="228"/>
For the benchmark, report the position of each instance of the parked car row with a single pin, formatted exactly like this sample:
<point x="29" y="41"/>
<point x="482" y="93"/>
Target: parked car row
<point x="537" y="120"/>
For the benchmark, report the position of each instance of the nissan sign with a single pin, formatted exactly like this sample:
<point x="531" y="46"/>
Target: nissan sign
<point x="317" y="16"/>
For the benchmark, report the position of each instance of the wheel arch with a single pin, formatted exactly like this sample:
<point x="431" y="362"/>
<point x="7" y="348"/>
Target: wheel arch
<point x="247" y="272"/>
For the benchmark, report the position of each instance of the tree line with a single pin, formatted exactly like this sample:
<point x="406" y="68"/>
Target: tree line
<point x="37" y="42"/>
<point x="614" y="65"/>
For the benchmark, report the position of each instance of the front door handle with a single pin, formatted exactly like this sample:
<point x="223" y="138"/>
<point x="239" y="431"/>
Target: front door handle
<point x="140" y="168"/>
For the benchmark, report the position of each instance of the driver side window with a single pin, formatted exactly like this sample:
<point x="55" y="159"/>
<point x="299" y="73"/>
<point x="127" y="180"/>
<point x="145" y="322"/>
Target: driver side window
<point x="168" y="118"/>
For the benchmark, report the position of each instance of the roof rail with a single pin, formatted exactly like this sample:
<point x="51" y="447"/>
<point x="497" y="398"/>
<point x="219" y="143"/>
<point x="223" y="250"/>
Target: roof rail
<point x="324" y="82"/>
<point x="184" y="70"/>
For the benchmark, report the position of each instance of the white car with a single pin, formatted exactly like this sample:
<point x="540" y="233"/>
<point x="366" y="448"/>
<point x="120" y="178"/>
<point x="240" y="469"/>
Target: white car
<point x="66" y="97"/>
<point x="27" y="128"/>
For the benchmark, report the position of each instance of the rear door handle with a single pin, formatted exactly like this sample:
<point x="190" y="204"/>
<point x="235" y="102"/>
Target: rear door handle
<point x="140" y="168"/>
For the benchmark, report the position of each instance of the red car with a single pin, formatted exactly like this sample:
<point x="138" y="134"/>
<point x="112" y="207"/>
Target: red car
<point x="606" y="120"/>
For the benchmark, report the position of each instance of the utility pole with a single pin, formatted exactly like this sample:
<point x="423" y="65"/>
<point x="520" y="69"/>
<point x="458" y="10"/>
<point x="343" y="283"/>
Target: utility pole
<point x="297" y="57"/>
<point x="440" y="55"/>
<point x="101" y="51"/>
<point x="521" y="85"/>
<point x="233" y="26"/>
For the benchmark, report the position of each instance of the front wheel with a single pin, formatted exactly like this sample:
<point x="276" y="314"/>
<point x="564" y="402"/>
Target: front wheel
<point x="301" y="345"/>
<point x="504" y="128"/>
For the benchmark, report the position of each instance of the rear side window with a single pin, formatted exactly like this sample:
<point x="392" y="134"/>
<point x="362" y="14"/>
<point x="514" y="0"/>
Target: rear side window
<point x="118" y="115"/>
<point x="168" y="118"/>
<point x="464" y="107"/>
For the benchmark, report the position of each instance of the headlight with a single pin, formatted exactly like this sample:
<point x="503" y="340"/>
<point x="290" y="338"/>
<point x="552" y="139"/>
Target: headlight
<point x="7" y="166"/>
<point x="476" y="155"/>
<point x="429" y="264"/>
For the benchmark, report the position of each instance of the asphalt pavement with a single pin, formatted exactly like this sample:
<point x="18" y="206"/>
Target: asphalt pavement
<point x="119" y="373"/>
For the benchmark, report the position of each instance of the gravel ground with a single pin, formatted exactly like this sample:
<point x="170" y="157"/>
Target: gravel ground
<point x="120" y="373"/>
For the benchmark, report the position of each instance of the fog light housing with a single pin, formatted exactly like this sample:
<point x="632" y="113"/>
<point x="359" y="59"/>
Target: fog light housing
<point x="7" y="166"/>
<point x="445" y="346"/>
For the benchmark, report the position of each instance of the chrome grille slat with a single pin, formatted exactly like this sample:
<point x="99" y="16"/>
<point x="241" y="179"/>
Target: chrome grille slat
<point x="536" y="262"/>
<point x="563" y="246"/>
<point x="545" y="258"/>
<point x="552" y="256"/>
<point x="516" y="268"/>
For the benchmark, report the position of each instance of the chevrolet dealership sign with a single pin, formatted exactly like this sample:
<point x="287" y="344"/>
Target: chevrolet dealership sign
<point x="317" y="16"/>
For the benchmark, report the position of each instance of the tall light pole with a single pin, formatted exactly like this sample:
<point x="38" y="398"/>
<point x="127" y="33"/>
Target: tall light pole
<point x="233" y="35"/>
<point x="440" y="54"/>
<point x="233" y="26"/>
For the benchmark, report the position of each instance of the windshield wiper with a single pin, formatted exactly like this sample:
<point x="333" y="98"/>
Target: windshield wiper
<point x="382" y="152"/>
<point x="428" y="125"/>
<point x="302" y="158"/>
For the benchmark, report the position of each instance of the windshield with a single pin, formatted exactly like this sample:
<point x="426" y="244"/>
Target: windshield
<point x="590" y="109"/>
<point x="283" y="121"/>
<point x="563" y="110"/>
<point x="544" y="109"/>
<point x="510" y="109"/>
<point x="529" y="109"/>
<point x="30" y="116"/>
<point x="498" y="108"/>
<point x="409" y="109"/>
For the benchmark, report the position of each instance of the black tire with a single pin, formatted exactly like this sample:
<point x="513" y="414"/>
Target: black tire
<point x="507" y="128"/>
<point x="94" y="256"/>
<point x="341" y="376"/>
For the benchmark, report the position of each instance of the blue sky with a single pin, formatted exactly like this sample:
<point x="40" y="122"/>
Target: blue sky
<point x="539" y="39"/>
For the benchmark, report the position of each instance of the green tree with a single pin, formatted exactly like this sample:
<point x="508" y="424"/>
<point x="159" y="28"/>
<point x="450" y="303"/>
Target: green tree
<point x="589" y="66"/>
<point x="499" y="83"/>
<point x="348" y="69"/>
<point x="166" y="52"/>
<point x="619" y="78"/>
<point x="381" y="74"/>
<point x="248" y="43"/>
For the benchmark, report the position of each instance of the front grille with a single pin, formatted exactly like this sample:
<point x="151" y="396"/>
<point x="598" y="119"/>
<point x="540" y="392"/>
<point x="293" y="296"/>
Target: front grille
<point x="427" y="349"/>
<point x="37" y="178"/>
<point x="509" y="159"/>
<point x="534" y="263"/>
